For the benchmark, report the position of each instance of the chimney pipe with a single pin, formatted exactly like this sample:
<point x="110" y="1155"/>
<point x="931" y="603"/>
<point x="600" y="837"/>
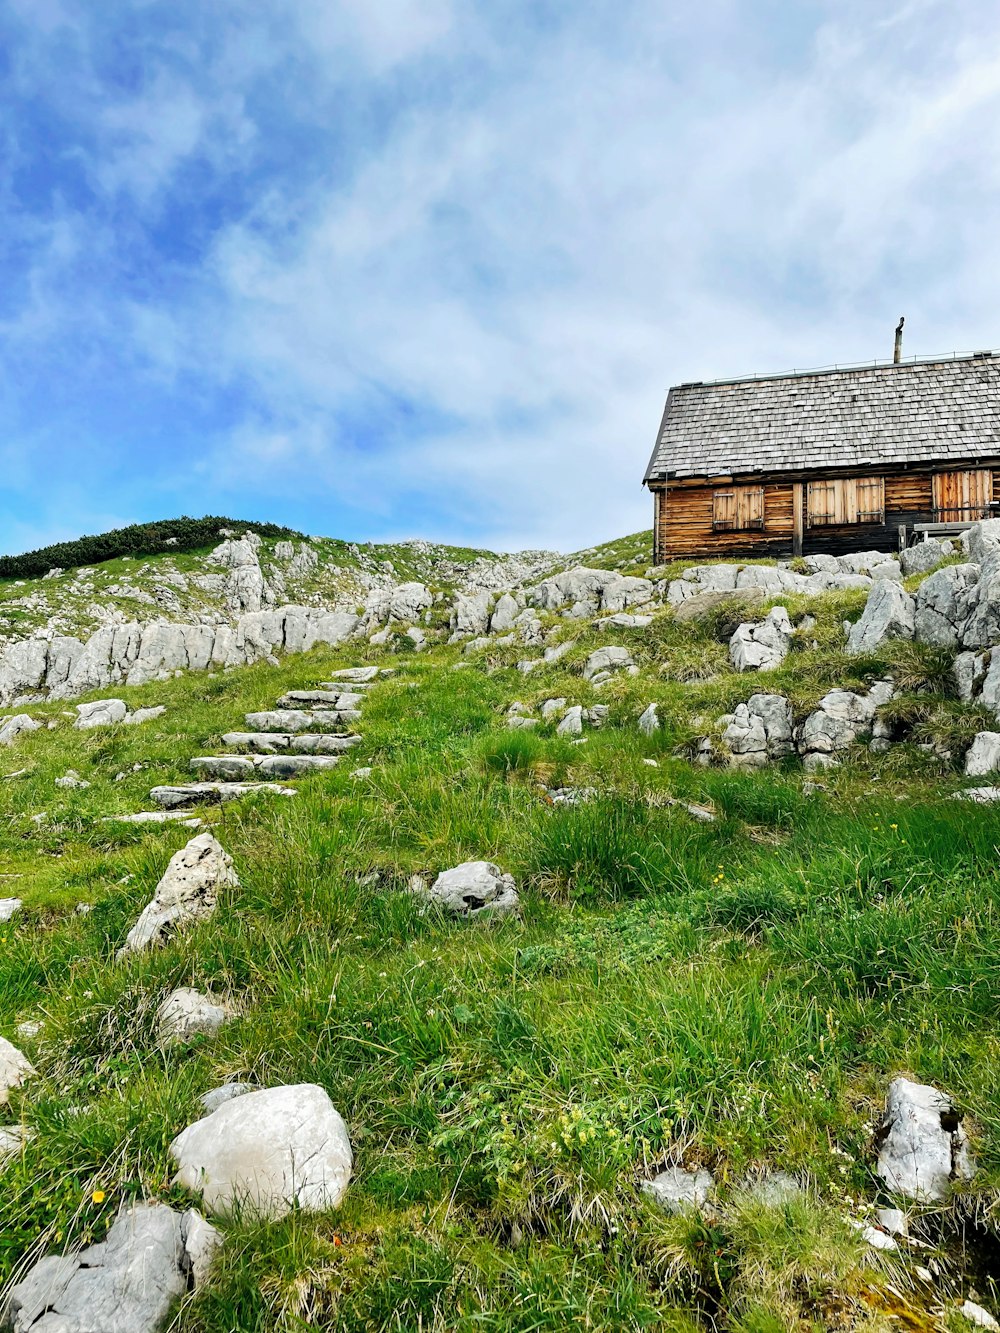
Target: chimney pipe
<point x="897" y="350"/>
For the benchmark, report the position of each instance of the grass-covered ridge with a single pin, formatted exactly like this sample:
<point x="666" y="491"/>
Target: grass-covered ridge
<point x="734" y="994"/>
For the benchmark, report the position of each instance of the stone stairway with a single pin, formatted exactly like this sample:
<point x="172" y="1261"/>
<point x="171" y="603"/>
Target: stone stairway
<point x="308" y="731"/>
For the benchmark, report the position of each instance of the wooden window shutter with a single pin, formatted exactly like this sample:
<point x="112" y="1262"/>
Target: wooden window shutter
<point x="724" y="511"/>
<point x="737" y="509"/>
<point x="844" y="500"/>
<point x="869" y="500"/>
<point x="750" y="507"/>
<point x="821" y="508"/>
<point x="962" y="495"/>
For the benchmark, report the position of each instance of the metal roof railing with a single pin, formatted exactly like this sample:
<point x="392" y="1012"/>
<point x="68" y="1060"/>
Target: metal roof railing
<point x="839" y="367"/>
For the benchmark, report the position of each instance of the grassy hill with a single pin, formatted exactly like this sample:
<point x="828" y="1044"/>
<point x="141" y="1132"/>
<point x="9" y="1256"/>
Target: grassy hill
<point x="734" y="994"/>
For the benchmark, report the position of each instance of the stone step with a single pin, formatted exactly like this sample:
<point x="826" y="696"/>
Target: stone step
<point x="230" y="767"/>
<point x="211" y="793"/>
<point x="355" y="686"/>
<point x="294" y="719"/>
<point x="356" y="675"/>
<point x="273" y="742"/>
<point x="311" y="698"/>
<point x="155" y="817"/>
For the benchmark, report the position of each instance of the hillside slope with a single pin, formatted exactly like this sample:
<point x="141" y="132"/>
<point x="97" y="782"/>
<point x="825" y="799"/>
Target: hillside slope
<point x="713" y="966"/>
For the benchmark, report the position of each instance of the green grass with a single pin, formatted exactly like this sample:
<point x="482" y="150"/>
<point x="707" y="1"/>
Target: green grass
<point x="734" y="994"/>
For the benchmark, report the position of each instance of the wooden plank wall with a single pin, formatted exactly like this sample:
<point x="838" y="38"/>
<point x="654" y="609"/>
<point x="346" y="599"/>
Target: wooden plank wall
<point x="684" y="526"/>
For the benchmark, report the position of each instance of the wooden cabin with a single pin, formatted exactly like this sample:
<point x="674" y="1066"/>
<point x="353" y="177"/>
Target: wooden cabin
<point x="825" y="461"/>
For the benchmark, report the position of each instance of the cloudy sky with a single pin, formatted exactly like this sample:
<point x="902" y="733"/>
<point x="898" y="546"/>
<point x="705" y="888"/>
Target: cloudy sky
<point x="391" y="268"/>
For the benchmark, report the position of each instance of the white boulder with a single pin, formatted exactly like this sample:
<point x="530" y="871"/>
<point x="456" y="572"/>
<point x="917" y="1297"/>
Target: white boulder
<point x="763" y="645"/>
<point x="983" y="755"/>
<point x="922" y="1148"/>
<point x="889" y="614"/>
<point x="14" y="1069"/>
<point x="472" y="889"/>
<point x="187" y="1013"/>
<point x="188" y="892"/>
<point x="268" y="1152"/>
<point x="126" y="1283"/>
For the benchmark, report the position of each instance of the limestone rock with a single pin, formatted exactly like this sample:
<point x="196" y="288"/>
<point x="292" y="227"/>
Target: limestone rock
<point x="100" y="713"/>
<point x="126" y="1283"/>
<point x="889" y="614"/>
<point x="18" y="725"/>
<point x="649" y="722"/>
<point x="14" y="1069"/>
<point x="182" y="817"/>
<point x="187" y="1013"/>
<point x="472" y="889"/>
<point x="983" y="755"/>
<point x="572" y="722"/>
<point x="764" y="645"/>
<point x="589" y="591"/>
<point x="922" y="1148"/>
<point x="922" y="558"/>
<point x="840" y="719"/>
<point x="607" y="660"/>
<point x="296" y="720"/>
<point x="759" y="730"/>
<point x="9" y="908"/>
<point x="267" y="1152"/>
<point x="188" y="892"/>
<point x="294" y="765"/>
<point x="216" y="1097"/>
<point x="228" y="767"/>
<point x="677" y="1191"/>
<point x="977" y="1315"/>
<point x="212" y="793"/>
<point x="470" y="615"/>
<point x="943" y="602"/>
<point x="71" y="781"/>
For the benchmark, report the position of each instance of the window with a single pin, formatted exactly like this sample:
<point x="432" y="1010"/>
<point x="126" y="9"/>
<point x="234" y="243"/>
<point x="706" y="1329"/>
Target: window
<point x="738" y="508"/>
<point x="962" y="495"/>
<point x="846" y="500"/>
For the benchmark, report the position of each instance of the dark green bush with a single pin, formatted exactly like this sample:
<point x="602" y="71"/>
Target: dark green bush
<point x="172" y="534"/>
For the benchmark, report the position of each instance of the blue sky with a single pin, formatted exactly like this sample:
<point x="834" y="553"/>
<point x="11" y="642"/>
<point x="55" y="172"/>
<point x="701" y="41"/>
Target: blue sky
<point x="391" y="268"/>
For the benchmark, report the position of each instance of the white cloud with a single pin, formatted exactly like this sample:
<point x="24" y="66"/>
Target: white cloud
<point x="461" y="316"/>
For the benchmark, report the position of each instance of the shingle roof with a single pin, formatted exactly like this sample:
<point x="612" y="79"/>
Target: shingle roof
<point x="912" y="412"/>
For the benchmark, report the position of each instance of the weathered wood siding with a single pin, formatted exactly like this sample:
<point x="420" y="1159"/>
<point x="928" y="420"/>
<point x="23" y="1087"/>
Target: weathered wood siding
<point x="685" y="527"/>
<point x="683" y="518"/>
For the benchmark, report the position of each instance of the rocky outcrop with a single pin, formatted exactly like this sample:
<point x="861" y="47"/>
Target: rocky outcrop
<point x="763" y="645"/>
<point x="267" y="1152"/>
<point x="128" y="1282"/>
<point x="134" y="654"/>
<point x="829" y="573"/>
<point x="759" y="731"/>
<point x="983" y="755"/>
<point x="604" y="662"/>
<point x="840" y="720"/>
<point x="12" y="727"/>
<point x="922" y="558"/>
<point x="943" y="603"/>
<point x="582" y="592"/>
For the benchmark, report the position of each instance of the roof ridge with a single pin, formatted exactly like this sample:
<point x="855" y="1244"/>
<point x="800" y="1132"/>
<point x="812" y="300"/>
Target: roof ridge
<point x="837" y="368"/>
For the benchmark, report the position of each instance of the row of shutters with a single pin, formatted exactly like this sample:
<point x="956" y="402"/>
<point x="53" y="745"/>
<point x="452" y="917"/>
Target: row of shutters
<point x="956" y="495"/>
